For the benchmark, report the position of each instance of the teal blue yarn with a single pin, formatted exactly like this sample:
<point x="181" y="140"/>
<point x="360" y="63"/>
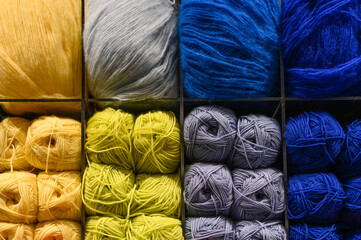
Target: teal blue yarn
<point x="313" y="142"/>
<point x="306" y="232"/>
<point x="351" y="213"/>
<point x="315" y="198"/>
<point x="229" y="49"/>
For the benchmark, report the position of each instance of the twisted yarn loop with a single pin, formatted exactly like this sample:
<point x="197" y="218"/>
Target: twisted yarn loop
<point x="304" y="231"/>
<point x="59" y="229"/>
<point x="260" y="230"/>
<point x="106" y="227"/>
<point x="351" y="213"/>
<point x="16" y="231"/>
<point x="209" y="228"/>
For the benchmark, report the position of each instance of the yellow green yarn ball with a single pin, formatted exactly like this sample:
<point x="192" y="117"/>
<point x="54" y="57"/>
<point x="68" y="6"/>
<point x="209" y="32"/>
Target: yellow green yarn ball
<point x="98" y="228"/>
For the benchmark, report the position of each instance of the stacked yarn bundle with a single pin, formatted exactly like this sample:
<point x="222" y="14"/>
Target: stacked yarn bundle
<point x="131" y="187"/>
<point x="253" y="198"/>
<point x="53" y="197"/>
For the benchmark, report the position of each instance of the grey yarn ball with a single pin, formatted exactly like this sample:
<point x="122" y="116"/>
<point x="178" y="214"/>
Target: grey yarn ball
<point x="209" y="133"/>
<point x="249" y="230"/>
<point x="258" y="194"/>
<point x="130" y="49"/>
<point x="215" y="228"/>
<point x="257" y="142"/>
<point x="208" y="190"/>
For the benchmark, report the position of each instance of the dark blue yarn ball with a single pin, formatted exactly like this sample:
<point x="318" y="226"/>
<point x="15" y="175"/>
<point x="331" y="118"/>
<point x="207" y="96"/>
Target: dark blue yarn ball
<point x="354" y="235"/>
<point x="321" y="47"/>
<point x="306" y="232"/>
<point x="313" y="141"/>
<point x="348" y="164"/>
<point x="315" y="198"/>
<point x="351" y="213"/>
<point x="230" y="48"/>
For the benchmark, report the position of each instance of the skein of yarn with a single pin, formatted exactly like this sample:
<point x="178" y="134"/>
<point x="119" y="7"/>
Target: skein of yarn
<point x="54" y="144"/>
<point x="157" y="194"/>
<point x="351" y="213"/>
<point x="40" y="53"/>
<point x="231" y="52"/>
<point x="155" y="227"/>
<point x="16" y="231"/>
<point x="130" y="49"/>
<point x="107" y="189"/>
<point x="315" y="198"/>
<point x="60" y="229"/>
<point x="257" y="142"/>
<point x="247" y="230"/>
<point x="209" y="133"/>
<point x="218" y="228"/>
<point x="13" y="132"/>
<point x="331" y="71"/>
<point x="208" y="190"/>
<point x="109" y="138"/>
<point x="59" y="196"/>
<point x="258" y="194"/>
<point x="105" y="228"/>
<point x="156" y="141"/>
<point x="304" y="231"/>
<point x="354" y="235"/>
<point x="313" y="141"/>
<point x="18" y="197"/>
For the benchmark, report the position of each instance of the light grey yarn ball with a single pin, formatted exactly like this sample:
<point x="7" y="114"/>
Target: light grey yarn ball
<point x="208" y="190"/>
<point x="258" y="194"/>
<point x="209" y="133"/>
<point x="130" y="49"/>
<point x="215" y="228"/>
<point x="257" y="142"/>
<point x="249" y="230"/>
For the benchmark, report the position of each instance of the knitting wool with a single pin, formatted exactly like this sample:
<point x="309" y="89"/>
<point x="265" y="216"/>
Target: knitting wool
<point x="59" y="229"/>
<point x="351" y="212"/>
<point x="217" y="228"/>
<point x="16" y="231"/>
<point x="248" y="230"/>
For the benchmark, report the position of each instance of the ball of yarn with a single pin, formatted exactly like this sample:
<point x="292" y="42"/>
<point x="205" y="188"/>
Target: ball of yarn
<point x="353" y="235"/>
<point x="257" y="142"/>
<point x="156" y="141"/>
<point x="348" y="164"/>
<point x="304" y="231"/>
<point x="158" y="194"/>
<point x="208" y="190"/>
<point x="313" y="142"/>
<point x="130" y="49"/>
<point x="209" y="132"/>
<point x="229" y="49"/>
<point x="109" y="138"/>
<point x="315" y="64"/>
<point x="315" y="198"/>
<point x="351" y="213"/>
<point x="217" y="228"/>
<point x="105" y="228"/>
<point x="54" y="144"/>
<point x="107" y="189"/>
<point x="258" y="194"/>
<point x="60" y="229"/>
<point x="18" y="197"/>
<point x="247" y="230"/>
<point x="156" y="227"/>
<point x="59" y="196"/>
<point x="13" y="132"/>
<point x="40" y="53"/>
<point x="16" y="231"/>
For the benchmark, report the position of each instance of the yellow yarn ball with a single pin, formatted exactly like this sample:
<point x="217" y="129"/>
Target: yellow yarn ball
<point x="58" y="230"/>
<point x="40" y="51"/>
<point x="107" y="189"/>
<point x="158" y="194"/>
<point x="54" y="144"/>
<point x="12" y="144"/>
<point x="59" y="196"/>
<point x="108" y="138"/>
<point x="105" y="228"/>
<point x="156" y="141"/>
<point x="16" y="231"/>
<point x="18" y="197"/>
<point x="155" y="228"/>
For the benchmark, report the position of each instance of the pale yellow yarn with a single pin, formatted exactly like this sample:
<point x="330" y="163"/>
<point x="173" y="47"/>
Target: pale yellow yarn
<point x="40" y="51"/>
<point x="16" y="231"/>
<point x="59" y="196"/>
<point x="18" y="197"/>
<point x="13" y="132"/>
<point x="58" y="230"/>
<point x="54" y="144"/>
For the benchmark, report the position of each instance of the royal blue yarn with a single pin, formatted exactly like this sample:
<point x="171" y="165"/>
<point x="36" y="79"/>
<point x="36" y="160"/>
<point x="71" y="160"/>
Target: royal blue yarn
<point x="313" y="141"/>
<point x="354" y="235"/>
<point x="321" y="47"/>
<point x="348" y="164"/>
<point x="305" y="232"/>
<point x="315" y="198"/>
<point x="351" y="213"/>
<point x="229" y="48"/>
